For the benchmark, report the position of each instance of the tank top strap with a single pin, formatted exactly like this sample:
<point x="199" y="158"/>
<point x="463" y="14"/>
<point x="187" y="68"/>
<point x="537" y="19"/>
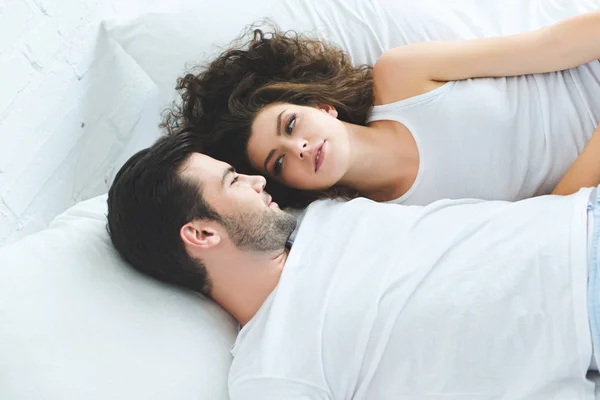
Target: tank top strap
<point x="390" y="111"/>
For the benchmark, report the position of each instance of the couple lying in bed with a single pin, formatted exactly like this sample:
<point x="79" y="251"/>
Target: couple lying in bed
<point x="442" y="296"/>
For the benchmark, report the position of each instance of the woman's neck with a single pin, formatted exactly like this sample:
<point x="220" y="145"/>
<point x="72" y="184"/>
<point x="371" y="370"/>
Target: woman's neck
<point x="384" y="160"/>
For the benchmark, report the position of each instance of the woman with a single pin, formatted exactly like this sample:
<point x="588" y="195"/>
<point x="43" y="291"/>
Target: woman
<point x="485" y="118"/>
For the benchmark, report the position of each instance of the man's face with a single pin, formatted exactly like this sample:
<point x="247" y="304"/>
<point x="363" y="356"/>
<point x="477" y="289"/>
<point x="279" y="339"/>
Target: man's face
<point x="251" y="219"/>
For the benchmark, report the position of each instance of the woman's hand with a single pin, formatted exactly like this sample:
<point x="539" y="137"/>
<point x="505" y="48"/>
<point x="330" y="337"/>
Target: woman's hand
<point x="585" y="171"/>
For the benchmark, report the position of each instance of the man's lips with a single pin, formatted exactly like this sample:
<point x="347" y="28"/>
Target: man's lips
<point x="270" y="202"/>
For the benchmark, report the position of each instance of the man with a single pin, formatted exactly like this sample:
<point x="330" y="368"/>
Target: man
<point x="459" y="299"/>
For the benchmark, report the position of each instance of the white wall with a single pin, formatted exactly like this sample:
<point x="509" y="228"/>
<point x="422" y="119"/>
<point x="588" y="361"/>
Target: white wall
<point x="70" y="105"/>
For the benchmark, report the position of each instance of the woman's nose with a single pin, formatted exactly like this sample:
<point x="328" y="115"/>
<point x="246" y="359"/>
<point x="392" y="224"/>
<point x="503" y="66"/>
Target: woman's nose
<point x="299" y="148"/>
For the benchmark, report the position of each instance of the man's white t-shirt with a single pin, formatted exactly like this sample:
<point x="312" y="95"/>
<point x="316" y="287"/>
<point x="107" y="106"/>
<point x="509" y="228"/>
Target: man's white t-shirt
<point x="461" y="299"/>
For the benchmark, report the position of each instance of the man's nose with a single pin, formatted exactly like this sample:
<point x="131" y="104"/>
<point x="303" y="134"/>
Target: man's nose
<point x="258" y="183"/>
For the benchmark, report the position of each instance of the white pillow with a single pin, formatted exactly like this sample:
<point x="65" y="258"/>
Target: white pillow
<point x="76" y="322"/>
<point x="165" y="44"/>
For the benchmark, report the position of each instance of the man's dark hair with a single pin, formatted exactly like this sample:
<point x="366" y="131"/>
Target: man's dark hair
<point x="148" y="203"/>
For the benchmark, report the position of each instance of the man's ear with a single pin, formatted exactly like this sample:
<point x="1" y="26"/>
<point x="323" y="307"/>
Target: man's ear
<point x="329" y="109"/>
<point x="200" y="234"/>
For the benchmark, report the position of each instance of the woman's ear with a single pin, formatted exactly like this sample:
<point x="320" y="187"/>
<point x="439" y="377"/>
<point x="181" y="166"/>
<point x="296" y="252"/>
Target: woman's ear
<point x="199" y="234"/>
<point x="329" y="109"/>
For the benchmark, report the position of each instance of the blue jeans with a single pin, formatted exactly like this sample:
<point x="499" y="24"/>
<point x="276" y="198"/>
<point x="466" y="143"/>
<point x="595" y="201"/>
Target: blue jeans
<point x="594" y="275"/>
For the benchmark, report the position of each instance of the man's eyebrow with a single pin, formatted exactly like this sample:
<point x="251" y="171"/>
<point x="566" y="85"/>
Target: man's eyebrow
<point x="228" y="171"/>
<point x="278" y="131"/>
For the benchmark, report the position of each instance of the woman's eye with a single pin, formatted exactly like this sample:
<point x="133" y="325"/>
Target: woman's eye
<point x="234" y="180"/>
<point x="290" y="124"/>
<point x="278" y="166"/>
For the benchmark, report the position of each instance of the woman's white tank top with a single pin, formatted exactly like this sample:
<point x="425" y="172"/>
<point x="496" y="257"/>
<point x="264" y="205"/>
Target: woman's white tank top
<point x="498" y="138"/>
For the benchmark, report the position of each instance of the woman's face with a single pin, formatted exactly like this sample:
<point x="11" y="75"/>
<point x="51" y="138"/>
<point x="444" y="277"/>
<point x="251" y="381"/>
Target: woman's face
<point x="302" y="147"/>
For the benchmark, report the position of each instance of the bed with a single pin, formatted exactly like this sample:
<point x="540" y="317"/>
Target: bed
<point x="75" y="321"/>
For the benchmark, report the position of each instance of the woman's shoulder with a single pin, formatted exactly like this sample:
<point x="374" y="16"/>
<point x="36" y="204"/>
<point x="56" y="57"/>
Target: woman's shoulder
<point x="394" y="79"/>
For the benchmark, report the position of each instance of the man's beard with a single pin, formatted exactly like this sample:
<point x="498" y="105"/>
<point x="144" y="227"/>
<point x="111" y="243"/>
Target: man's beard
<point x="260" y="231"/>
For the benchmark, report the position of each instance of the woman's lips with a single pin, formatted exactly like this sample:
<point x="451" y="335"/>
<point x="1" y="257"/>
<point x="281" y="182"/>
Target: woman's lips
<point x="319" y="156"/>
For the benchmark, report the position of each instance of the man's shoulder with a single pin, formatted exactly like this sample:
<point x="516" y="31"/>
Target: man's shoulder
<point x="342" y="204"/>
<point x="276" y="387"/>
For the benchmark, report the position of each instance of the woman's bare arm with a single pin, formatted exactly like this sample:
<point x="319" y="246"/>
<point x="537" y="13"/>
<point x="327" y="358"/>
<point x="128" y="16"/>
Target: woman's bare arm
<point x="585" y="171"/>
<point x="565" y="44"/>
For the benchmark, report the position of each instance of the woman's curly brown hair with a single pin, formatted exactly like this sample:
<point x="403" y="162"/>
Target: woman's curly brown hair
<point x="220" y="102"/>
